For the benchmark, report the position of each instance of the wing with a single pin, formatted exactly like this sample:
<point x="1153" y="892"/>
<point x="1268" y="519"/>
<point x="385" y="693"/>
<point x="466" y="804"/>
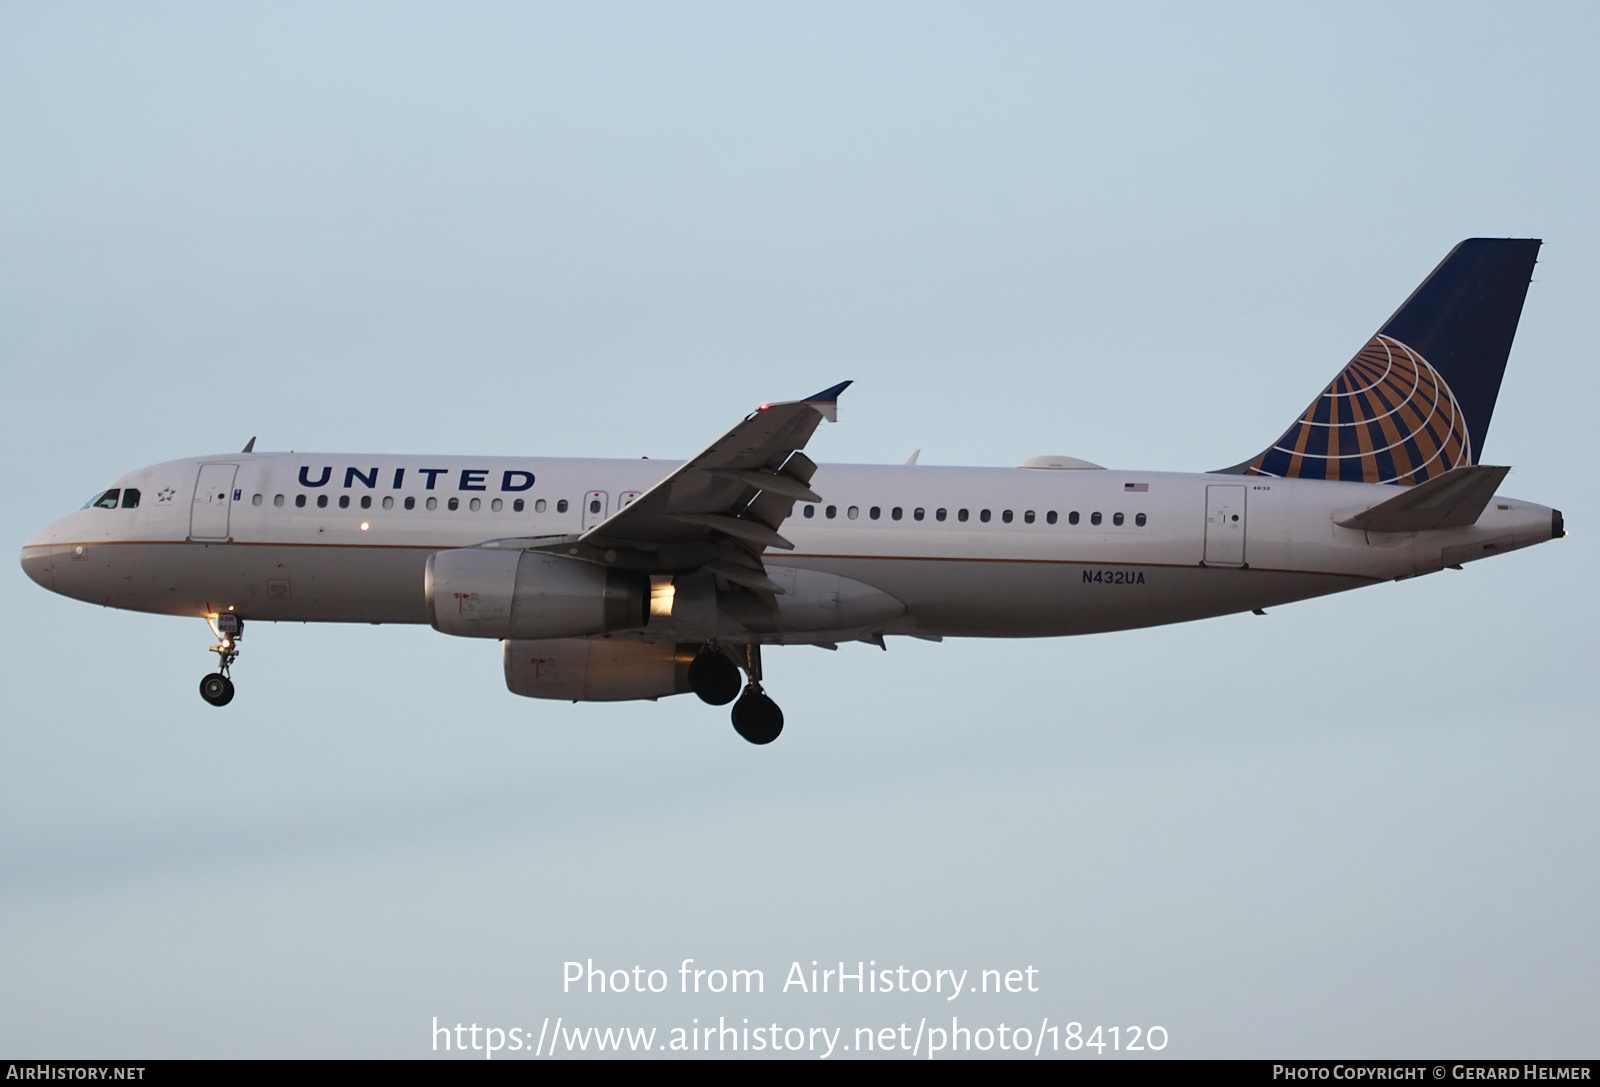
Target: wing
<point x="719" y="511"/>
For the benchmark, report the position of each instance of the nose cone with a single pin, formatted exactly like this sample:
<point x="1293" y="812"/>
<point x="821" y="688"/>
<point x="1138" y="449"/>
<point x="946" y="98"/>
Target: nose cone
<point x="42" y="553"/>
<point x="36" y="567"/>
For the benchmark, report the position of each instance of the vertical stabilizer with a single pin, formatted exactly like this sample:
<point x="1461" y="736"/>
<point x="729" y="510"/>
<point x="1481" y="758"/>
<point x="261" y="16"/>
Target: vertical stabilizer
<point x="1416" y="401"/>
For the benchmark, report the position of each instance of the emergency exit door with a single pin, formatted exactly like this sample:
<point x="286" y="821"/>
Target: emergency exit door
<point x="596" y="506"/>
<point x="213" y="498"/>
<point x="1225" y="524"/>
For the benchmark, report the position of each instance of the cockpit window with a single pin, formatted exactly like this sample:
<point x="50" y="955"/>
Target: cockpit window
<point x="130" y="498"/>
<point x="107" y="501"/>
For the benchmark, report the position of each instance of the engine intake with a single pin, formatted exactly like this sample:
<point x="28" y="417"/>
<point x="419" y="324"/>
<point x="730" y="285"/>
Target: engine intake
<point x="481" y="593"/>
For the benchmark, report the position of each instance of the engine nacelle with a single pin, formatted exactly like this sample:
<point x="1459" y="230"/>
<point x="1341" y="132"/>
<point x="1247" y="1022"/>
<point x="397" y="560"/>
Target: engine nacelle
<point x="482" y="593"/>
<point x="577" y="670"/>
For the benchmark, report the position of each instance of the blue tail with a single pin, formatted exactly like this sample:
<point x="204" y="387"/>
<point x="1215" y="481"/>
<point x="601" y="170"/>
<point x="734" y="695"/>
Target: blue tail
<point x="1416" y="401"/>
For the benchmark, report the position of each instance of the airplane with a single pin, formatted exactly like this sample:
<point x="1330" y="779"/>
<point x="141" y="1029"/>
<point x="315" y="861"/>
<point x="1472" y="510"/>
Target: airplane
<point x="609" y="580"/>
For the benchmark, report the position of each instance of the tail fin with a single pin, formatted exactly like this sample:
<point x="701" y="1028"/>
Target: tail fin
<point x="1415" y="402"/>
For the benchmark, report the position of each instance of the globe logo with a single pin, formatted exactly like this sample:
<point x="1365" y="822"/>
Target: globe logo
<point x="1388" y="417"/>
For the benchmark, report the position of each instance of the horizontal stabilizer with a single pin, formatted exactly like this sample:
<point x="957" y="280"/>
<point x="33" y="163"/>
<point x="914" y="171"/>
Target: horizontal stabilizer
<point x="1453" y="500"/>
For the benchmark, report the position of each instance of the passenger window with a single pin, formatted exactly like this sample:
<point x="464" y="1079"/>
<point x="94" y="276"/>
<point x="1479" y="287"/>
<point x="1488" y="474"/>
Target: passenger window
<point x="410" y="503"/>
<point x="388" y="501"/>
<point x="1139" y="520"/>
<point x="561" y="505"/>
<point x="454" y="504"/>
<point x="853" y="512"/>
<point x="277" y="500"/>
<point x="1072" y="518"/>
<point x="300" y="501"/>
<point x="322" y="501"/>
<point x="1050" y="518"/>
<point x="497" y="505"/>
<point x="475" y="505"/>
<point x="1028" y="517"/>
<point x="594" y="505"/>
<point x="432" y="503"/>
<point x="538" y="505"/>
<point x="831" y="512"/>
<point x="811" y="511"/>
<point x="916" y="514"/>
<point x="875" y="512"/>
<point x="1094" y="518"/>
<point x="961" y="515"/>
<point x="895" y="513"/>
<point x="108" y="501"/>
<point x="255" y="500"/>
<point x="344" y="501"/>
<point x="983" y="515"/>
<point x="518" y="506"/>
<point x="938" y="515"/>
<point x="1006" y="517"/>
<point x="1116" y="518"/>
<point x="366" y="501"/>
<point x="130" y="499"/>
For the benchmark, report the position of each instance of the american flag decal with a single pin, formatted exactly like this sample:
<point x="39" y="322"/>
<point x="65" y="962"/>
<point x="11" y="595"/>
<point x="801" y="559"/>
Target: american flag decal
<point x="1136" y="486"/>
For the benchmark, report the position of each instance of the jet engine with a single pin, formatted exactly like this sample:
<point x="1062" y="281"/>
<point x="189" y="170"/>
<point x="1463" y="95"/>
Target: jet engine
<point x="579" y="670"/>
<point x="482" y="593"/>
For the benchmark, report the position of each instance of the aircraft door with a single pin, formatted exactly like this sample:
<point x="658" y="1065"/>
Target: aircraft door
<point x="1225" y="525"/>
<point x="213" y="499"/>
<point x="596" y="508"/>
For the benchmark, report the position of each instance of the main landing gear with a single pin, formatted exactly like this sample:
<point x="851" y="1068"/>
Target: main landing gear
<point x="715" y="678"/>
<point x="217" y="688"/>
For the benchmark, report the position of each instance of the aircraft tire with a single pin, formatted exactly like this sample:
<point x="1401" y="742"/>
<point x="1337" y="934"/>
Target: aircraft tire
<point x="217" y="689"/>
<point x="714" y="678"/>
<point x="757" y="718"/>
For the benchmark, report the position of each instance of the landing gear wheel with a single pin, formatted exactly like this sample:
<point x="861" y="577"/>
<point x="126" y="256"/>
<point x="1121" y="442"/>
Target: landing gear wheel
<point x="714" y="677"/>
<point x="217" y="689"/>
<point x="756" y="717"/>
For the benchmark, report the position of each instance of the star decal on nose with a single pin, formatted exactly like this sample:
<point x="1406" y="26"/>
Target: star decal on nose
<point x="165" y="494"/>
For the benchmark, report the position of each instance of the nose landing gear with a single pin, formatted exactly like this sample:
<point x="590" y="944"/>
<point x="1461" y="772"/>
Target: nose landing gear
<point x="217" y="688"/>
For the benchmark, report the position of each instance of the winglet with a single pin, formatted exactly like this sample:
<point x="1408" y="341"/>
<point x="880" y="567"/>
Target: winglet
<point x="249" y="446"/>
<point x="827" y="401"/>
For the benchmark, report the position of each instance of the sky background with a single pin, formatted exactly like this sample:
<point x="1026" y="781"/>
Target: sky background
<point x="1144" y="234"/>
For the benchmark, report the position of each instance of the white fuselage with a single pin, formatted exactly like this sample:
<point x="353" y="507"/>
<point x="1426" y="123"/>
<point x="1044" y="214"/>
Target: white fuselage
<point x="1039" y="552"/>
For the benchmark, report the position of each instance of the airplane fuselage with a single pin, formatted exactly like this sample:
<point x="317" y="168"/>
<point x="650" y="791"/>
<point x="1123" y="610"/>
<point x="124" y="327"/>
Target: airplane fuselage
<point x="978" y="552"/>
